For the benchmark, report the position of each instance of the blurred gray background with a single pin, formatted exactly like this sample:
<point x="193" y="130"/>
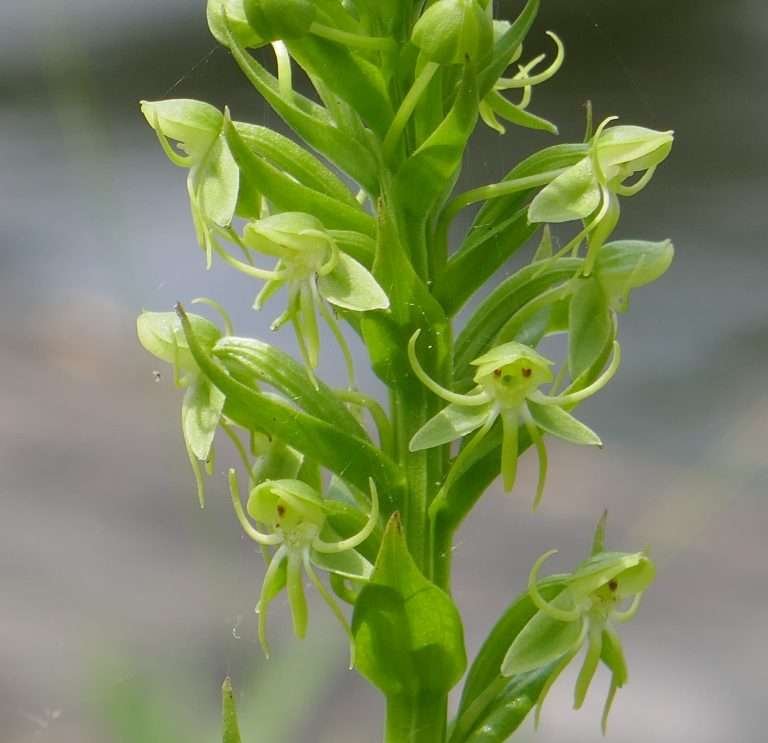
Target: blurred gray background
<point x="119" y="597"/>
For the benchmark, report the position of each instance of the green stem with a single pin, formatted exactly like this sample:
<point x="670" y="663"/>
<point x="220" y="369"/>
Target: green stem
<point x="420" y="719"/>
<point x="407" y="106"/>
<point x="409" y="411"/>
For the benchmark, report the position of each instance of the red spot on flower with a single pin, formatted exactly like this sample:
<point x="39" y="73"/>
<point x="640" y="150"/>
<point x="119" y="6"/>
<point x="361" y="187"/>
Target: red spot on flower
<point x="527" y="373"/>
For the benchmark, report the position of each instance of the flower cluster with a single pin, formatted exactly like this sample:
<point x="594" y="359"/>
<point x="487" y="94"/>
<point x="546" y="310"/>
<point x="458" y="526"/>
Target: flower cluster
<point x="353" y="216"/>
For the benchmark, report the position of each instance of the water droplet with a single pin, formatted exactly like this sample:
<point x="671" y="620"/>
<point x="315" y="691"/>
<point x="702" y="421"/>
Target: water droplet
<point x="236" y="628"/>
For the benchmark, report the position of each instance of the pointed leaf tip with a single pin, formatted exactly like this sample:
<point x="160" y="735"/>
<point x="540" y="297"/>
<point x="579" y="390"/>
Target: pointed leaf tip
<point x="230" y="729"/>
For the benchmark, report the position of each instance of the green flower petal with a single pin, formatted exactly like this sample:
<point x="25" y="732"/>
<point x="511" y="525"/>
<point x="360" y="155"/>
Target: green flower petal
<point x="200" y="416"/>
<point x="556" y="421"/>
<point x="216" y="183"/>
<point x="160" y="333"/>
<point x="194" y="124"/>
<point x="351" y="286"/>
<point x="451" y="423"/>
<point x="573" y="195"/>
<point x="542" y="641"/>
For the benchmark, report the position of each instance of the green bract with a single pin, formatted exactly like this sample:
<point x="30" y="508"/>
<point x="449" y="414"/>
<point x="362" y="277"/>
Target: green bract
<point x="296" y="516"/>
<point x="453" y="31"/>
<point x="353" y="208"/>
<point x="508" y="378"/>
<point x="583" y="613"/>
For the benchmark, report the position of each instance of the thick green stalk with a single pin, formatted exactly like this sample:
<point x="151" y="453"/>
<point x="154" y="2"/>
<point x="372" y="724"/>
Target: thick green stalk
<point x="409" y="411"/>
<point x="416" y="720"/>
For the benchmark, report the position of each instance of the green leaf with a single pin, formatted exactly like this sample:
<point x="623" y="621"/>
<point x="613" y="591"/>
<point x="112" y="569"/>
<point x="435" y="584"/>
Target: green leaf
<point x="269" y="364"/>
<point x="215" y="183"/>
<point x="294" y="160"/>
<point x="311" y="122"/>
<point x="573" y="195"/>
<point x="352" y="78"/>
<point x="556" y="421"/>
<point x="387" y="17"/>
<point x="349" y="456"/>
<point x="407" y="632"/>
<point x="485" y="667"/>
<point x="426" y="176"/>
<point x="500" y="228"/>
<point x="200" y="415"/>
<point x="161" y="334"/>
<point x="288" y="195"/>
<point x="231" y="731"/>
<point x="351" y="286"/>
<point x="508" y="710"/>
<point x="481" y="330"/>
<point x="590" y="328"/>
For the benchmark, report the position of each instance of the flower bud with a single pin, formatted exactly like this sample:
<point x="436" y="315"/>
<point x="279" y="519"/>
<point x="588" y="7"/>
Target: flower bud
<point x="450" y="31"/>
<point x="275" y="20"/>
<point x="235" y="20"/>
<point x="194" y="124"/>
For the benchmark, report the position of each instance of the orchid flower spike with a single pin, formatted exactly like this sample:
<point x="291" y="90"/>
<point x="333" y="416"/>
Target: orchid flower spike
<point x="201" y="411"/>
<point x="583" y="614"/>
<point x="295" y="516"/>
<point x="213" y="181"/>
<point x="495" y="105"/>
<point x="590" y="189"/>
<point x="508" y="378"/>
<point x="315" y="272"/>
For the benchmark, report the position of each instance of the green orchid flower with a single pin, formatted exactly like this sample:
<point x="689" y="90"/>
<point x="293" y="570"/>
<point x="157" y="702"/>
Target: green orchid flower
<point x="584" y="613"/>
<point x="315" y="271"/>
<point x="201" y="411"/>
<point x="213" y="181"/>
<point x="296" y="516"/>
<point x="590" y="189"/>
<point x="495" y="105"/>
<point x="508" y="378"/>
